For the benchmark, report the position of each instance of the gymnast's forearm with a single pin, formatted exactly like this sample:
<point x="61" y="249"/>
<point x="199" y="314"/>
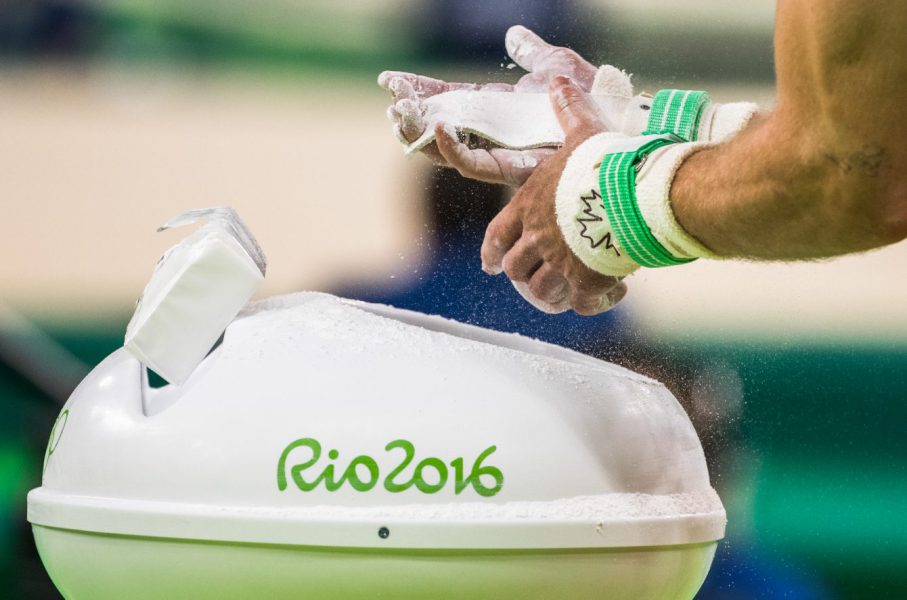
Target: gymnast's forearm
<point x="826" y="172"/>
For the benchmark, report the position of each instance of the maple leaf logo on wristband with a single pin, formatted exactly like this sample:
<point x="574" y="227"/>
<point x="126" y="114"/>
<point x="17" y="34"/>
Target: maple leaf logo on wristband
<point x="595" y="227"/>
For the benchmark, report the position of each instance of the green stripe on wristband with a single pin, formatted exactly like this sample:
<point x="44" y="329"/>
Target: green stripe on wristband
<point x="617" y="181"/>
<point x="677" y="112"/>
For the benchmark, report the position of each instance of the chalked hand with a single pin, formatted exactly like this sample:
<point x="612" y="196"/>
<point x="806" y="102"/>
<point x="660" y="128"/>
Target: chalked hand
<point x="496" y="165"/>
<point x="525" y="240"/>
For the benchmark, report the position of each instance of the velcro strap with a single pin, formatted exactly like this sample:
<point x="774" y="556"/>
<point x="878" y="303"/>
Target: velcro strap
<point x="617" y="181"/>
<point x="677" y="112"/>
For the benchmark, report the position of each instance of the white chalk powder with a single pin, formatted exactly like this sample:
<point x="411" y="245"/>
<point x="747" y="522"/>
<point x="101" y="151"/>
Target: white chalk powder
<point x="525" y="161"/>
<point x="286" y="320"/>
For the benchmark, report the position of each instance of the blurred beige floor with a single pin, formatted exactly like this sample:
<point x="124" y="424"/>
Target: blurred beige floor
<point x="93" y="161"/>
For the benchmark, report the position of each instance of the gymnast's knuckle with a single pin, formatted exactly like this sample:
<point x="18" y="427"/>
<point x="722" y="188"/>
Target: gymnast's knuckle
<point x="587" y="305"/>
<point x="534" y="239"/>
<point x="584" y="286"/>
<point x="538" y="288"/>
<point x="494" y="235"/>
<point x="510" y="269"/>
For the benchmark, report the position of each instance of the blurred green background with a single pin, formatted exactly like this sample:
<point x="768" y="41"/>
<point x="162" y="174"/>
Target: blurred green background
<point x="114" y="116"/>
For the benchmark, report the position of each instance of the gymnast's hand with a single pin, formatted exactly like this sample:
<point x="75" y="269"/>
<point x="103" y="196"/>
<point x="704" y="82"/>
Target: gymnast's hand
<point x="495" y="165"/>
<point x="525" y="241"/>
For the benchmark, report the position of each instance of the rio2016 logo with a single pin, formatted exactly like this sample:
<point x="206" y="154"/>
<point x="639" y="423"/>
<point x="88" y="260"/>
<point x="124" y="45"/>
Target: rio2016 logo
<point x="429" y="476"/>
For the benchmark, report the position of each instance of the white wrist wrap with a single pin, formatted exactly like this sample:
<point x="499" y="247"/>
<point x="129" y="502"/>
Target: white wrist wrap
<point x="717" y="123"/>
<point x="653" y="190"/>
<point x="581" y="214"/>
<point x="722" y="121"/>
<point x="632" y="223"/>
<point x="584" y="222"/>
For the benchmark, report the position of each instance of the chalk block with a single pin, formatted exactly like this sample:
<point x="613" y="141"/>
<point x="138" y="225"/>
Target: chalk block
<point x="196" y="290"/>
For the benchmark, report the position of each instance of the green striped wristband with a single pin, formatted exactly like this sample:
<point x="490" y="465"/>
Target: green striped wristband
<point x="677" y="112"/>
<point x="674" y="117"/>
<point x="617" y="181"/>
